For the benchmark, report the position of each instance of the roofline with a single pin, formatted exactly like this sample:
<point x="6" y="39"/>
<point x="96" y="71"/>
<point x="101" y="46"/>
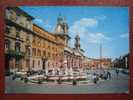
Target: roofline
<point x="21" y="11"/>
<point x="42" y="29"/>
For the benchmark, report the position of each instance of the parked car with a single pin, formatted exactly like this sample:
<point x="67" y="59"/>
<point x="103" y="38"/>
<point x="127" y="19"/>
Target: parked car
<point x="125" y="71"/>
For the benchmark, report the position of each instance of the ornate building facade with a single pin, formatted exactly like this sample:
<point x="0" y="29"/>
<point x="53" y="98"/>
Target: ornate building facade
<point x="47" y="48"/>
<point x="18" y="29"/>
<point x="122" y="62"/>
<point x="30" y="47"/>
<point x="73" y="57"/>
<point x="104" y="63"/>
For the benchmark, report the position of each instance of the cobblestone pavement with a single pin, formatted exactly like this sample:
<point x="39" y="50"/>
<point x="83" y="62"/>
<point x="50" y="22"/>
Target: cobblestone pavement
<point x="114" y="85"/>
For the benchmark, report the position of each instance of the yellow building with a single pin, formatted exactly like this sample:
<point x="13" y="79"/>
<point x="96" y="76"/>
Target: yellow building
<point x="28" y="46"/>
<point x="47" y="49"/>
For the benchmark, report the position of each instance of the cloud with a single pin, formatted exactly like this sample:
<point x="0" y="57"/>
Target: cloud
<point x="83" y="26"/>
<point x="85" y="22"/>
<point x="125" y="35"/>
<point x="101" y="17"/>
<point x="97" y="38"/>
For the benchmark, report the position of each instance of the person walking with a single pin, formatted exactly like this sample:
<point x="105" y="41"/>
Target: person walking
<point x="108" y="75"/>
<point x="95" y="78"/>
<point x="117" y="72"/>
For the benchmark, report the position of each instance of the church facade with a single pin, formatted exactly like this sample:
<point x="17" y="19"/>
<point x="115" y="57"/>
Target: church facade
<point x="73" y="58"/>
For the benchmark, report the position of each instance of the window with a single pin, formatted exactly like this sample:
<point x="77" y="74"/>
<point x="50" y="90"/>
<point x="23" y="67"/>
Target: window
<point x="33" y="42"/>
<point x="28" y="64"/>
<point x="18" y="18"/>
<point x="44" y="53"/>
<point x="28" y="24"/>
<point x="28" y="39"/>
<point x="34" y="51"/>
<point x="48" y="54"/>
<point x="7" y="44"/>
<point x="49" y="47"/>
<point x="7" y="29"/>
<point x="28" y="51"/>
<point x="39" y="52"/>
<point x="12" y="30"/>
<point x="54" y="55"/>
<point x="43" y="44"/>
<point x="17" y="47"/>
<point x="13" y="15"/>
<point x="18" y="33"/>
<point x="8" y="14"/>
<point x="33" y="63"/>
<point x="22" y="20"/>
<point x="17" y="64"/>
<point x="38" y="62"/>
<point x="39" y="43"/>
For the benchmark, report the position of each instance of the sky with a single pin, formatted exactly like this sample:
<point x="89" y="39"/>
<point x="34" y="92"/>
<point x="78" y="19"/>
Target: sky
<point x="108" y="26"/>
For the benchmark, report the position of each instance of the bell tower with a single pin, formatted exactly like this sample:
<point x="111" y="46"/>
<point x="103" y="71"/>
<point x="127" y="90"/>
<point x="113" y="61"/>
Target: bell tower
<point x="59" y="28"/>
<point x="65" y="26"/>
<point x="77" y="42"/>
<point x="62" y="28"/>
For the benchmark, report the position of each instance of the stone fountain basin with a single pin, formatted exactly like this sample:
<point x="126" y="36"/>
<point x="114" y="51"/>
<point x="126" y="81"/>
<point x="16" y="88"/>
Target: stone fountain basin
<point x="65" y="78"/>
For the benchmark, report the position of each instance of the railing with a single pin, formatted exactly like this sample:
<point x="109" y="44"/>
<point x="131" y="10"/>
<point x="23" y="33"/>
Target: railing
<point x="15" y="53"/>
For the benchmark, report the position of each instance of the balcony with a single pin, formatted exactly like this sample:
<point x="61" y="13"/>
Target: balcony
<point x="14" y="53"/>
